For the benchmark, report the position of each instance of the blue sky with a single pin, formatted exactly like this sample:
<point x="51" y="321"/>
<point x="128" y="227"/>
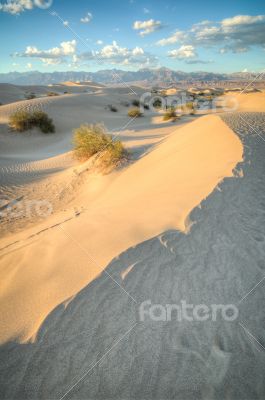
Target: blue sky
<point x="225" y="36"/>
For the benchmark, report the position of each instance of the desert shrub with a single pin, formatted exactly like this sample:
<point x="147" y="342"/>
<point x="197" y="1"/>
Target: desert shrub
<point x="190" y="105"/>
<point x="24" y="120"/>
<point x="21" y="121"/>
<point x="136" y="102"/>
<point x="41" y="120"/>
<point x="170" y="114"/>
<point x="29" y="96"/>
<point x="134" y="112"/>
<point x="51" y="94"/>
<point x="157" y="103"/>
<point x="92" y="139"/>
<point x="65" y="92"/>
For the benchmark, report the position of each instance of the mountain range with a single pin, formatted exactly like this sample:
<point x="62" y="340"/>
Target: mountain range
<point x="114" y="76"/>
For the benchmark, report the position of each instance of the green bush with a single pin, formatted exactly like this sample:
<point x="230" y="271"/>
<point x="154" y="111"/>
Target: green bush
<point x="134" y="112"/>
<point x="92" y="139"/>
<point x="24" y="120"/>
<point x="41" y="120"/>
<point x="51" y="94"/>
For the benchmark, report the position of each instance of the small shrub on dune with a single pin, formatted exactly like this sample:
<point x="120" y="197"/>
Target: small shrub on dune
<point x="157" y="103"/>
<point x="170" y="114"/>
<point x="41" y="120"/>
<point x="146" y="106"/>
<point x="92" y="139"/>
<point x="134" y="112"/>
<point x="136" y="103"/>
<point x="51" y="94"/>
<point x="21" y="121"/>
<point x="24" y="120"/>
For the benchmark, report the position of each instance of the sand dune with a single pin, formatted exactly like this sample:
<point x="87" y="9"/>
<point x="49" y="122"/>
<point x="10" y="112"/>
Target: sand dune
<point x="90" y="347"/>
<point x="175" y="177"/>
<point x="144" y="223"/>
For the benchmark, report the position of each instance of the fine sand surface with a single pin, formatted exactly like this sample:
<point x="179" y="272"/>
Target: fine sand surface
<point x="139" y="222"/>
<point x="152" y="195"/>
<point x="34" y="166"/>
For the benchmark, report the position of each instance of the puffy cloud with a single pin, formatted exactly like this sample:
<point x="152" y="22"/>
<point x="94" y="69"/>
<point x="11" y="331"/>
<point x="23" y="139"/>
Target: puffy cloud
<point x="117" y="55"/>
<point x="185" y="51"/>
<point x="241" y="32"/>
<point x="178" y="36"/>
<point x="88" y="17"/>
<point x="99" y="42"/>
<point x="55" y="55"/>
<point x="243" y="20"/>
<point x="147" y="27"/>
<point x="16" y="7"/>
<point x="146" y="11"/>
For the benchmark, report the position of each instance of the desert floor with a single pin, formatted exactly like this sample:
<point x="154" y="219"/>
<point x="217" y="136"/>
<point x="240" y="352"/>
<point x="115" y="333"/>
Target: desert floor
<point x="183" y="220"/>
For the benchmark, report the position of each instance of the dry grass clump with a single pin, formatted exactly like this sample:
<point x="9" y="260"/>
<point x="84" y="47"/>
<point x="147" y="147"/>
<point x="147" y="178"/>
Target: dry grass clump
<point x="170" y="114"/>
<point x="24" y="120"/>
<point x="52" y="94"/>
<point x="134" y="112"/>
<point x="93" y="139"/>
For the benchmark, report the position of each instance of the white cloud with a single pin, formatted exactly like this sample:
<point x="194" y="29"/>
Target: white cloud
<point x="185" y="51"/>
<point x="16" y="7"/>
<point x="88" y="17"/>
<point x="99" y="42"/>
<point x="29" y="65"/>
<point x="236" y="34"/>
<point x="117" y="55"/>
<point x="178" y="36"/>
<point x="147" y="27"/>
<point x="242" y="20"/>
<point x="65" y="23"/>
<point x="55" y="55"/>
<point x="146" y="11"/>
